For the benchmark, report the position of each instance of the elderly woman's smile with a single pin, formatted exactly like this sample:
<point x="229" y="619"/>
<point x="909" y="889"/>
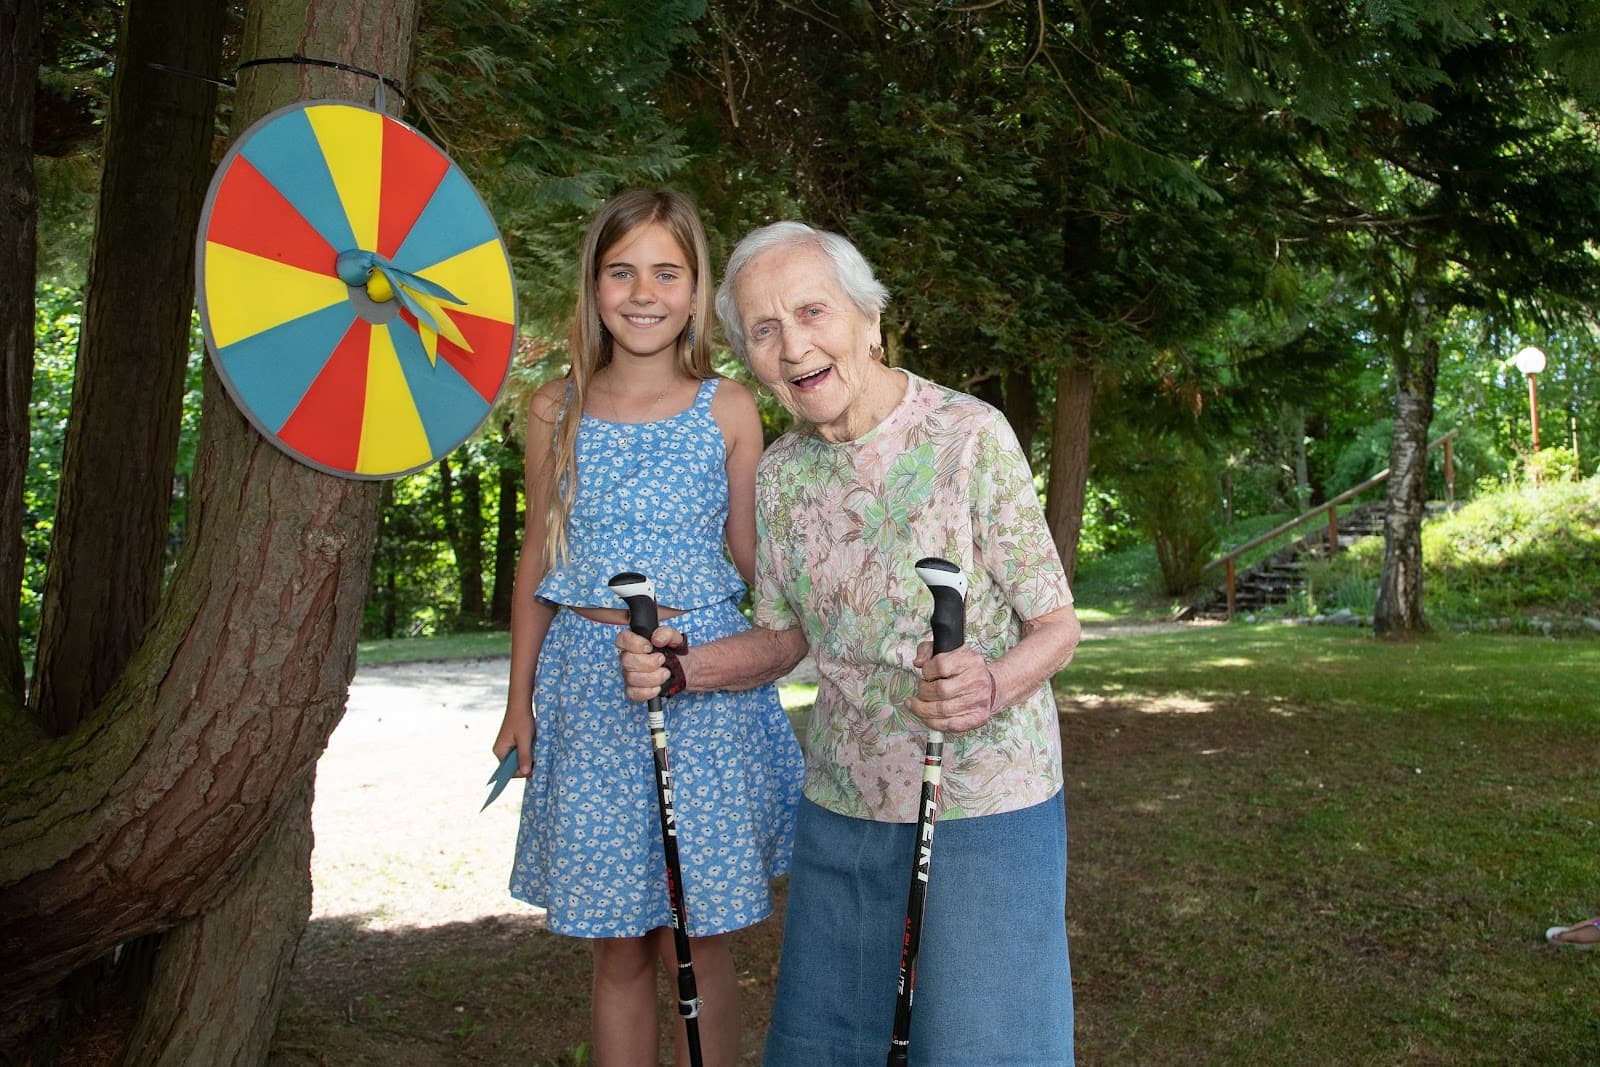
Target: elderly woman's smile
<point x="884" y="468"/>
<point x="812" y="346"/>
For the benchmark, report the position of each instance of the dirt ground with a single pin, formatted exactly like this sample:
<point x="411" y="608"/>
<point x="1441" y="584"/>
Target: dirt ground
<point x="415" y="954"/>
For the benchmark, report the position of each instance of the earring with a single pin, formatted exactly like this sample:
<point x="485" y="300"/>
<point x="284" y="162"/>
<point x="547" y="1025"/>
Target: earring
<point x="875" y="351"/>
<point x="691" y="333"/>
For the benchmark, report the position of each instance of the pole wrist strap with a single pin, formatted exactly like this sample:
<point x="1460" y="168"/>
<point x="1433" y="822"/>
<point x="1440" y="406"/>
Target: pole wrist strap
<point x="669" y="655"/>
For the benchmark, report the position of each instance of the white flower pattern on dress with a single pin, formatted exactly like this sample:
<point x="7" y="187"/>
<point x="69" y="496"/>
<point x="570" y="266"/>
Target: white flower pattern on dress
<point x="589" y="841"/>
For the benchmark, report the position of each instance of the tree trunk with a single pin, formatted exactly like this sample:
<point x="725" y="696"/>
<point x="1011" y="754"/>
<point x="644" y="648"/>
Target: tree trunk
<point x="1069" y="462"/>
<point x="508" y="528"/>
<point x="1022" y="406"/>
<point x="153" y="813"/>
<point x="219" y="978"/>
<point x="19" y="38"/>
<point x="463" y="528"/>
<point x="103" y="579"/>
<point x="447" y="512"/>
<point x="469" y="557"/>
<point x="1399" y="613"/>
<point x="144" y="816"/>
<point x="383" y="569"/>
<point x="1297" y="448"/>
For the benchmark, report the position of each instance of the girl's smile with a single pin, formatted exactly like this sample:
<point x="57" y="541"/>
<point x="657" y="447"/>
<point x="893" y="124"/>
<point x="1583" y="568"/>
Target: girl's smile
<point x="645" y="291"/>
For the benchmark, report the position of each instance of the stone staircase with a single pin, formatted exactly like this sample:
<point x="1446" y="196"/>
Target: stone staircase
<point x="1278" y="577"/>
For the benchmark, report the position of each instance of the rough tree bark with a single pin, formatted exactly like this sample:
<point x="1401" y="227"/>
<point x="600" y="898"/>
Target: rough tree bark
<point x="103" y="580"/>
<point x="19" y="39"/>
<point x="1398" y="613"/>
<point x="181" y="805"/>
<point x="205" y="1006"/>
<point x="1069" y="461"/>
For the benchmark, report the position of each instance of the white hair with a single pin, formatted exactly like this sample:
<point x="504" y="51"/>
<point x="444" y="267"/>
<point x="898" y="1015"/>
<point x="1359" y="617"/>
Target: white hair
<point x="850" y="269"/>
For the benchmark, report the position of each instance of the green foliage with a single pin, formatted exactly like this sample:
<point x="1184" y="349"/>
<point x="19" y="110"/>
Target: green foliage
<point x="1107" y="525"/>
<point x="57" y="319"/>
<point x="550" y="107"/>
<point x="1517" y="557"/>
<point x="416" y="581"/>
<point x="1034" y="192"/>
<point x="413" y="588"/>
<point x="1121" y="586"/>
<point x="1214" y="214"/>
<point x="1523" y="552"/>
<point x="68" y="193"/>
<point x="1482" y="392"/>
<point x="1550" y="465"/>
<point x="188" y="439"/>
<point x="58" y="311"/>
<point x="1364" y="456"/>
<point x="78" y="42"/>
<point x="1172" y="489"/>
<point x="1368" y="454"/>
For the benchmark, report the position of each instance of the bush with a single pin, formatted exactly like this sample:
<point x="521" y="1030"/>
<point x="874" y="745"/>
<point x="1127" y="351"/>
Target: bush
<point x="1174" y="495"/>
<point x="1517" y="557"/>
<point x="1550" y="465"/>
<point x="1472" y="457"/>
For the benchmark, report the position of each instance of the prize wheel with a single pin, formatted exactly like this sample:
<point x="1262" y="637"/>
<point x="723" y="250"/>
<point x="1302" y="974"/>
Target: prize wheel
<point x="354" y="291"/>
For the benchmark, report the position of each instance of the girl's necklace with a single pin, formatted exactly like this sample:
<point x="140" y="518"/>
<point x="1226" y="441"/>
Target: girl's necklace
<point x="616" y="414"/>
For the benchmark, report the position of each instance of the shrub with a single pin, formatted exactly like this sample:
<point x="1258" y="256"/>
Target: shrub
<point x="1509" y="556"/>
<point x="1173" y="493"/>
<point x="1550" y="465"/>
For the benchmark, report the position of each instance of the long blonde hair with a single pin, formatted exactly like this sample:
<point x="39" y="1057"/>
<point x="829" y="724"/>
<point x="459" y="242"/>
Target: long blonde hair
<point x="591" y="343"/>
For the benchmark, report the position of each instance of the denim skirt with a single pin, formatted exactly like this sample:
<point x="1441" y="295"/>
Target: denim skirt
<point x="993" y="981"/>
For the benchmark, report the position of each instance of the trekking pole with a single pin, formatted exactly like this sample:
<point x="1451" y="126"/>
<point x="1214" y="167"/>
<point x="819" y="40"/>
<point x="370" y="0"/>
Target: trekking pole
<point x="639" y="593"/>
<point x="949" y="588"/>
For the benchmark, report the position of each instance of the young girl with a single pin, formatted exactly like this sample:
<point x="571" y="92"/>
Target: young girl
<point x="643" y="459"/>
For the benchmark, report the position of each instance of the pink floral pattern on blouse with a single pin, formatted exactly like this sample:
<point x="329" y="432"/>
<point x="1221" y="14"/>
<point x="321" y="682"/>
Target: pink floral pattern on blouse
<point x="841" y="527"/>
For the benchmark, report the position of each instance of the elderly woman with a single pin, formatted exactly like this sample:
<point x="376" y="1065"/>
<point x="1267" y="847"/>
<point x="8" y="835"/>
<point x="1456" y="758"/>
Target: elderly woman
<point x="883" y="469"/>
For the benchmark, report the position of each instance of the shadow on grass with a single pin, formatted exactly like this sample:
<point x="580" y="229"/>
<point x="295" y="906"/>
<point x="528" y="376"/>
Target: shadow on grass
<point x="1256" y="881"/>
<point x="1287" y="846"/>
<point x="496" y="990"/>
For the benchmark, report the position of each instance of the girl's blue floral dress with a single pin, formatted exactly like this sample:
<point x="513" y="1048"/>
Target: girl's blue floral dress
<point x="653" y="498"/>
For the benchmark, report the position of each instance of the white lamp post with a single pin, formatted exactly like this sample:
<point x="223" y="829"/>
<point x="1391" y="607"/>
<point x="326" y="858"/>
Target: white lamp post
<point x="1530" y="361"/>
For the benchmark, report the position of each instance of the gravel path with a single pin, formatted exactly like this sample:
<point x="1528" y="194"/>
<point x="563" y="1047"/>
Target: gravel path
<point x="399" y="837"/>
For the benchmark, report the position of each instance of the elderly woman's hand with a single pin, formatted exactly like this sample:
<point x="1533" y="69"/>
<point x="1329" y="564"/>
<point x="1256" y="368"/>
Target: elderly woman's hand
<point x="957" y="691"/>
<point x="644" y="669"/>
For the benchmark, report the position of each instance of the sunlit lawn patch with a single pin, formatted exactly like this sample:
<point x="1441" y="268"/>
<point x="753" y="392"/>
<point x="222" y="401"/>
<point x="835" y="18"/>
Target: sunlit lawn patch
<point x="1297" y="845"/>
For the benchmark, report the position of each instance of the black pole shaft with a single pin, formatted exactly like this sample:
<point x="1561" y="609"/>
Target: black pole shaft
<point x="948" y="586"/>
<point x="638" y="593"/>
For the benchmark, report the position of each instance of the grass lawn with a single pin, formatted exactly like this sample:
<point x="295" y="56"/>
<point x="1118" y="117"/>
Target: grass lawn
<point x="1300" y="845"/>
<point x="1297" y="845"/>
<point x="443" y="647"/>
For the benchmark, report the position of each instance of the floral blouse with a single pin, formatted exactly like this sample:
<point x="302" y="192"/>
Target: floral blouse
<point x="840" y="529"/>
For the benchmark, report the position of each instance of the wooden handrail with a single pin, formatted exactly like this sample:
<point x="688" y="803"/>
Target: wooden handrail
<point x="1331" y="507"/>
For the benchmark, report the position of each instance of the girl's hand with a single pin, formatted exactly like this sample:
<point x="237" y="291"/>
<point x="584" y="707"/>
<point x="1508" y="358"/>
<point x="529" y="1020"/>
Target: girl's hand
<point x="519" y="729"/>
<point x="957" y="691"/>
<point x="644" y="669"/>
